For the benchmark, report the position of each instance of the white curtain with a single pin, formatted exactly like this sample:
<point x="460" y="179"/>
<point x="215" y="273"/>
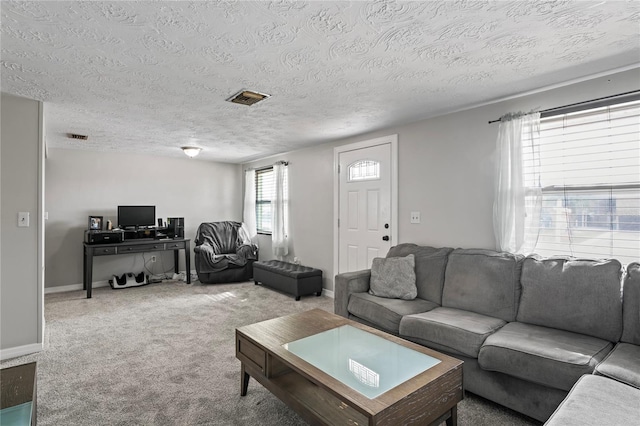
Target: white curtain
<point x="249" y="214"/>
<point x="280" y="212"/>
<point x="518" y="195"/>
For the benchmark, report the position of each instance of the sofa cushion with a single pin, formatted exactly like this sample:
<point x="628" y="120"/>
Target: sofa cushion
<point x="386" y="313"/>
<point x="483" y="281"/>
<point x="597" y="401"/>
<point x="550" y="357"/>
<point x="430" y="267"/>
<point x="459" y="331"/>
<point x="582" y="296"/>
<point x="622" y="364"/>
<point x="394" y="278"/>
<point x="631" y="305"/>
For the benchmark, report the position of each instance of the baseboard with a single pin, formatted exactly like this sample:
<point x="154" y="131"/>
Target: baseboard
<point x="20" y="350"/>
<point x="96" y="284"/>
<point x="328" y="293"/>
<point x="73" y="287"/>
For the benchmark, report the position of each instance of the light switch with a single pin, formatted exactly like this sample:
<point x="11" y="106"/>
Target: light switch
<point x="23" y="219"/>
<point x="415" y="217"/>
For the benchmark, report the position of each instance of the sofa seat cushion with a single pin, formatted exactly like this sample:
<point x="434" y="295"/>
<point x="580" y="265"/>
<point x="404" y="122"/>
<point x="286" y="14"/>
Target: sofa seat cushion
<point x="460" y="331"/>
<point x="596" y="401"/>
<point x="622" y="364"/>
<point x="385" y="313"/>
<point x="550" y="357"/>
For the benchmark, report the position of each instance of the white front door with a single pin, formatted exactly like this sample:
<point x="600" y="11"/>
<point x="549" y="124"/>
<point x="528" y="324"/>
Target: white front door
<point x="366" y="222"/>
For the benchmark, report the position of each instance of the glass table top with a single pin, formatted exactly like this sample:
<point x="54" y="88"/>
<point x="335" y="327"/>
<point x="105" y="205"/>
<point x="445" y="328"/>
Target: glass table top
<point x="363" y="361"/>
<point x="18" y="415"/>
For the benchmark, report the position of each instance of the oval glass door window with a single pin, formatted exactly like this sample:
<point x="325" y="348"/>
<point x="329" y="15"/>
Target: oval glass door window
<point x="364" y="170"/>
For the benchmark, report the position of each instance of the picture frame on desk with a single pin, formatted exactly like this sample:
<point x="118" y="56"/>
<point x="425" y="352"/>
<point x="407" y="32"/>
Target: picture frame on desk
<point x="95" y="223"/>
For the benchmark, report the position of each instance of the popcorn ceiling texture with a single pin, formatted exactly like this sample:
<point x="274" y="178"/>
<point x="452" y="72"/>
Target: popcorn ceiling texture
<point x="149" y="77"/>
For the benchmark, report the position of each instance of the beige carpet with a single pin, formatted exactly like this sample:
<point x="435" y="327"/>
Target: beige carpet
<point x="164" y="354"/>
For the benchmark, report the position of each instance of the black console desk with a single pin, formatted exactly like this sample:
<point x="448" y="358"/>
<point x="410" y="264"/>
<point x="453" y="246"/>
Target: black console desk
<point x="133" y="246"/>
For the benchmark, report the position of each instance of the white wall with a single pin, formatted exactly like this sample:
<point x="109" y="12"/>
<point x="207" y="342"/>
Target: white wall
<point x="83" y="183"/>
<point x="446" y="171"/>
<point x="20" y="277"/>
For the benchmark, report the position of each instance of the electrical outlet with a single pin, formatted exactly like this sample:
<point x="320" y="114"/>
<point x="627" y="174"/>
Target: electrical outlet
<point x="415" y="217"/>
<point x="153" y="259"/>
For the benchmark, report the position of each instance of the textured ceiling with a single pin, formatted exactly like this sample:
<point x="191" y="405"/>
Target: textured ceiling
<point x="148" y="77"/>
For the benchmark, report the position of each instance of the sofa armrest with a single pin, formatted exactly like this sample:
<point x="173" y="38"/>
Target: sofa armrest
<point x="203" y="248"/>
<point x="347" y="284"/>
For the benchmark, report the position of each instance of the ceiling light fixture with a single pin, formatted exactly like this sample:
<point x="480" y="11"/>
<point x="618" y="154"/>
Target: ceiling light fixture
<point x="191" y="151"/>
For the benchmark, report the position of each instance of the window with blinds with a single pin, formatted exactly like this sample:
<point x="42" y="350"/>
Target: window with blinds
<point x="265" y="190"/>
<point x="587" y="164"/>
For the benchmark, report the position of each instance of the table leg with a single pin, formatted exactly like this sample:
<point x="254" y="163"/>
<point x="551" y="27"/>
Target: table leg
<point x="244" y="380"/>
<point x="453" y="420"/>
<point x="187" y="261"/>
<point x="84" y="269"/>
<point x="176" y="261"/>
<point x="88" y="271"/>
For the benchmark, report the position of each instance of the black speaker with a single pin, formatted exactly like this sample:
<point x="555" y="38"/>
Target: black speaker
<point x="175" y="227"/>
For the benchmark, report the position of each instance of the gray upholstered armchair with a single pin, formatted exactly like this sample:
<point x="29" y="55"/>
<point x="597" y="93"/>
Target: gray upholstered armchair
<point x="224" y="253"/>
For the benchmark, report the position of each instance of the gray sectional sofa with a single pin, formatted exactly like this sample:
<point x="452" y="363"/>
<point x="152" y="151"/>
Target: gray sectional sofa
<point x="527" y="328"/>
<point x="614" y="397"/>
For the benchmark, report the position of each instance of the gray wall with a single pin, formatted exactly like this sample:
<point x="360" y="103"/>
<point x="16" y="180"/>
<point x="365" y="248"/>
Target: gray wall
<point x="83" y="183"/>
<point x="20" y="287"/>
<point x="446" y="171"/>
<point x="310" y="208"/>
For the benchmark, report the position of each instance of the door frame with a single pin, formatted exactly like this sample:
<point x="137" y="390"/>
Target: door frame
<point x="393" y="141"/>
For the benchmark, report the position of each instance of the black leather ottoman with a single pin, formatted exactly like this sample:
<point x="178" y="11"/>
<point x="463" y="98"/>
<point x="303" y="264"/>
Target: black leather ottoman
<point x="288" y="277"/>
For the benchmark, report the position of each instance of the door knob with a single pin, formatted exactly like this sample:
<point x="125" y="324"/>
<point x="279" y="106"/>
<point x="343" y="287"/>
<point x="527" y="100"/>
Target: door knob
<point x="385" y="238"/>
<point x="386" y="226"/>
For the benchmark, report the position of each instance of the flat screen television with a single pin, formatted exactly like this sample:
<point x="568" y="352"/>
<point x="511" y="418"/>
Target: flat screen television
<point x="136" y="216"/>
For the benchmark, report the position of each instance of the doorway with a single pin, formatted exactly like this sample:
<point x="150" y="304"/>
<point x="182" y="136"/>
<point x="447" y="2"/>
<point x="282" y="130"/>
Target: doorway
<point x="365" y="202"/>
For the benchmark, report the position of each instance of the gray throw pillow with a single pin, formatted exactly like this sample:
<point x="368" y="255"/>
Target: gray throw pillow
<point x="394" y="277"/>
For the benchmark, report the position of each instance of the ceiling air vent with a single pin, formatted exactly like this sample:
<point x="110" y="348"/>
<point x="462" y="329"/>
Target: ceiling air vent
<point x="247" y="97"/>
<point x="77" y="136"/>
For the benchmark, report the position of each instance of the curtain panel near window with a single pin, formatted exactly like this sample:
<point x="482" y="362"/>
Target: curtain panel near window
<point x="518" y="196"/>
<point x="280" y="212"/>
<point x="249" y="213"/>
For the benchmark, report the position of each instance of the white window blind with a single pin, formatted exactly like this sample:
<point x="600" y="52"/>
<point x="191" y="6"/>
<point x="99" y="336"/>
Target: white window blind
<point x="265" y="193"/>
<point x="588" y="166"/>
<point x="265" y="190"/>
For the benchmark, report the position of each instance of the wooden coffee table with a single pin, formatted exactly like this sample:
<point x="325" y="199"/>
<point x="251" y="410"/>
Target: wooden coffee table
<point x="332" y="370"/>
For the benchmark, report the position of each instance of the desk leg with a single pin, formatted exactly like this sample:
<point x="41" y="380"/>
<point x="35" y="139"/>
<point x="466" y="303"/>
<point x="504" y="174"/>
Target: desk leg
<point x="187" y="261"/>
<point x="176" y="261"/>
<point x="88" y="271"/>
<point x="84" y="269"/>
